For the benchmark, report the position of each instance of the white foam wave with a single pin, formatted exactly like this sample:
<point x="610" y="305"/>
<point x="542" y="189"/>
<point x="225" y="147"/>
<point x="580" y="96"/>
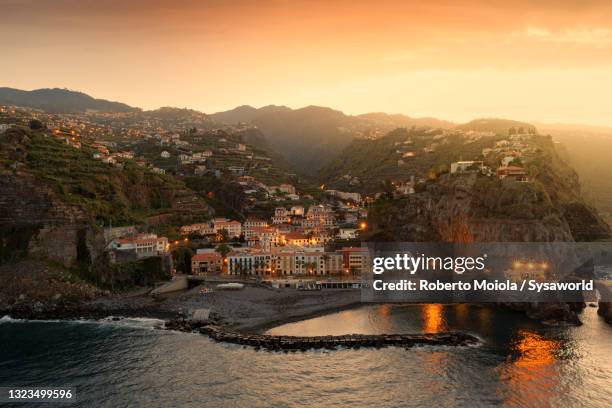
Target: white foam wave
<point x="132" y="322"/>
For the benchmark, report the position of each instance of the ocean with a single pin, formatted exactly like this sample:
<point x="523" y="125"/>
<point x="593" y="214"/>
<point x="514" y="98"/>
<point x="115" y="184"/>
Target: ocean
<point x="130" y="362"/>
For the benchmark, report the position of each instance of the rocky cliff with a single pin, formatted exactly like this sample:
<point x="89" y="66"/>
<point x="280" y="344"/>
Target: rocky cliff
<point x="479" y="208"/>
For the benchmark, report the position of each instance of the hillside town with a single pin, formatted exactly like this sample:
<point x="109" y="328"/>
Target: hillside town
<point x="285" y="228"/>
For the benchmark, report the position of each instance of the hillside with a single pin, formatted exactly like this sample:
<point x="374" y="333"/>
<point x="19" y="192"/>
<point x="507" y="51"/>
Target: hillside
<point x="57" y="100"/>
<point x="476" y="207"/>
<point x="497" y="126"/>
<point x="399" y="120"/>
<point x="311" y="137"/>
<point x="366" y="164"/>
<point x="107" y="194"/>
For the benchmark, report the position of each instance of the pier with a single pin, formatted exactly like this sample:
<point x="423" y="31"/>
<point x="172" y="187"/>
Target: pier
<point x="298" y="343"/>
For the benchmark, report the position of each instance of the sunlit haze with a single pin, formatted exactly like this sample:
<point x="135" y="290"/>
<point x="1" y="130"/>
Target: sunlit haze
<point x="453" y="60"/>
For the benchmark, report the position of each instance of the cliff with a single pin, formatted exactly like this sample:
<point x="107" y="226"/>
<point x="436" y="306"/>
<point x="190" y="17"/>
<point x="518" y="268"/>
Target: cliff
<point x="55" y="198"/>
<point x="479" y="208"/>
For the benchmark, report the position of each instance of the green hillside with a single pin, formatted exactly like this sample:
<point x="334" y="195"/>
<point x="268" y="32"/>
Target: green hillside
<point x="372" y="162"/>
<point x="108" y="194"/>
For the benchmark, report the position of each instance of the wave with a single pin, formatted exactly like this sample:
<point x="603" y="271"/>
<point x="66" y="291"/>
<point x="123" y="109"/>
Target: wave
<point x="131" y="322"/>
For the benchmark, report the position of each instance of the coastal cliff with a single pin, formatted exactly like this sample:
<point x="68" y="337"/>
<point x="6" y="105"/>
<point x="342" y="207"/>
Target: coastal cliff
<point x="475" y="207"/>
<point x="56" y="201"/>
<point x="479" y="207"/>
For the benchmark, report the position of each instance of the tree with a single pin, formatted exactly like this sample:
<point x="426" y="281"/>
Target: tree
<point x="36" y="124"/>
<point x="223" y="250"/>
<point x="516" y="162"/>
<point x="224" y="235"/>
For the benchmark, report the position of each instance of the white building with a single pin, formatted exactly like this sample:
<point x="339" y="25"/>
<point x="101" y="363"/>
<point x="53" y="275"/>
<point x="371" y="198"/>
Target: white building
<point x="144" y="245"/>
<point x="465" y="166"/>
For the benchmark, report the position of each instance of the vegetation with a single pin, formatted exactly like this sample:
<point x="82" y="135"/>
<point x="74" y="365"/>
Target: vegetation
<point x="108" y="194"/>
<point x="373" y="161"/>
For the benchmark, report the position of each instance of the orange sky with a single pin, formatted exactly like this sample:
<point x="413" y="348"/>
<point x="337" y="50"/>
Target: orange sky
<point x="449" y="59"/>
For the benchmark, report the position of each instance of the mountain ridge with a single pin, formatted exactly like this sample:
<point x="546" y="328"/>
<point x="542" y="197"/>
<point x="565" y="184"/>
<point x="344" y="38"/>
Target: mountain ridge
<point x="60" y="100"/>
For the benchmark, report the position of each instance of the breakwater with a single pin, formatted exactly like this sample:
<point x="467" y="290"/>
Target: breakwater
<point x="298" y="343"/>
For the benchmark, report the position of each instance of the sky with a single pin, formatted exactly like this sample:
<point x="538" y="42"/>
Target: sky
<point x="454" y="60"/>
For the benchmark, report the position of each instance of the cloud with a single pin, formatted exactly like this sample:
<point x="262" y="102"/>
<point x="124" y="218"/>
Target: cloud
<point x="594" y="36"/>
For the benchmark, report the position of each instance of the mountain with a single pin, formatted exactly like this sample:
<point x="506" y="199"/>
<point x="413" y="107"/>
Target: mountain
<point x="495" y="125"/>
<point x="58" y="100"/>
<point x="311" y="137"/>
<point x="244" y="114"/>
<point x="307" y="137"/>
<point x="398" y="120"/>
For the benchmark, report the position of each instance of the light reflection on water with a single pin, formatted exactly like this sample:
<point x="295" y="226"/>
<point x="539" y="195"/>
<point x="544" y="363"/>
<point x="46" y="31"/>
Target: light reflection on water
<point x="536" y="365"/>
<point x="520" y="363"/>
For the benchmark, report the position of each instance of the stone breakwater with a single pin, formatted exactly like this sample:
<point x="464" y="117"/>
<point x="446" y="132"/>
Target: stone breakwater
<point x="295" y="343"/>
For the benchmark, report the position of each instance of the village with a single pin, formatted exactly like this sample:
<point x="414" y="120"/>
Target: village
<point x="284" y="232"/>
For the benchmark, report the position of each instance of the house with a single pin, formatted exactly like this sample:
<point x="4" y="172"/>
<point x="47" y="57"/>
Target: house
<point x="203" y="228"/>
<point x="512" y="172"/>
<point x="165" y="154"/>
<point x="236" y="170"/>
<point x="101" y="148"/>
<point x="293" y="197"/>
<point x="199" y="156"/>
<point x="405" y="188"/>
<point x="233" y="228"/>
<point x="300" y="263"/>
<point x="295" y="238"/>
<point x="265" y="237"/>
<point x="250" y="224"/>
<point x="355" y="260"/>
<point x="281" y="216"/>
<point x="334" y="263"/>
<point x="286" y="188"/>
<point x="347" y="233"/>
<point x="203" y="263"/>
<point x="253" y="262"/>
<point x="185" y="158"/>
<point x="143" y="245"/>
<point x="125" y="155"/>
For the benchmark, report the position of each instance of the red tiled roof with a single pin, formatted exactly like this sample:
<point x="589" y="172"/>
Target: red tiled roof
<point x="208" y="256"/>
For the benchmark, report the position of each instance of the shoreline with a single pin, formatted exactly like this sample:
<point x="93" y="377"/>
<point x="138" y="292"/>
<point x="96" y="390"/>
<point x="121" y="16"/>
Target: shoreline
<point x="250" y="311"/>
